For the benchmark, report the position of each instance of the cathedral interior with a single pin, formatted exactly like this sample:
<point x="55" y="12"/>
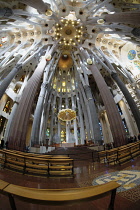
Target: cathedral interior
<point x="69" y="75"/>
<point x="70" y="72"/>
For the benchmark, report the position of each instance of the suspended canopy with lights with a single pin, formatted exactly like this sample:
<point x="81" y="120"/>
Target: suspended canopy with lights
<point x="67" y="115"/>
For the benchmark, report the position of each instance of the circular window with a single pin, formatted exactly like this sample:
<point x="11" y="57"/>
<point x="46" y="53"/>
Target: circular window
<point x="131" y="54"/>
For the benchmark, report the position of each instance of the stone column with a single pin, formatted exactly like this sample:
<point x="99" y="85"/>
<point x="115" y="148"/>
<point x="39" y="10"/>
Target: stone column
<point x="40" y="5"/>
<point x="82" y="129"/>
<point x="3" y="102"/>
<point x="17" y="138"/>
<point x="107" y="135"/>
<point x="39" y="108"/>
<point x="117" y="128"/>
<point x="37" y="116"/>
<point x="123" y="17"/>
<point x="67" y="123"/>
<point x="94" y="117"/>
<point x="84" y="111"/>
<point x="132" y="127"/>
<point x="5" y="83"/>
<point x="88" y="112"/>
<point x="129" y="99"/>
<point x="46" y="115"/>
<point x="59" y="125"/>
<point x="67" y="132"/>
<point x="52" y="118"/>
<point x="75" y="123"/>
<point x="10" y="121"/>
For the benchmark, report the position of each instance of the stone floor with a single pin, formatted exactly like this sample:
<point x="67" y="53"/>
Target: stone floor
<point x="86" y="174"/>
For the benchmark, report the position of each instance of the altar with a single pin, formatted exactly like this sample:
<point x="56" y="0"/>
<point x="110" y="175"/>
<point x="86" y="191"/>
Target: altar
<point x="67" y="144"/>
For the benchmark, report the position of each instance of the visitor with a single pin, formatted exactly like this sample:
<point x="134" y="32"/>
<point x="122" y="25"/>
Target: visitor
<point x="2" y="144"/>
<point x="28" y="149"/>
<point x="6" y="144"/>
<point x="134" y="138"/>
<point x="131" y="139"/>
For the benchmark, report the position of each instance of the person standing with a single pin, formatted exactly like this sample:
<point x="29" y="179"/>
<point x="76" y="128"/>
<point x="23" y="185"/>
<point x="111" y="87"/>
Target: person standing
<point x="6" y="144"/>
<point x="2" y="144"/>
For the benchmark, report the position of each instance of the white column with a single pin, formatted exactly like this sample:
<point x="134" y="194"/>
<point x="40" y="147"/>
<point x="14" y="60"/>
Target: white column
<point x="75" y="123"/>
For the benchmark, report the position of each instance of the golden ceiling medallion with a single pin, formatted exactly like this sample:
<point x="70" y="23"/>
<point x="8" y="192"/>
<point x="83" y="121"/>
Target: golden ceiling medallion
<point x="69" y="31"/>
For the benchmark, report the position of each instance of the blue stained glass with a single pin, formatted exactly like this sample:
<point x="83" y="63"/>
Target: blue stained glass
<point x="131" y="54"/>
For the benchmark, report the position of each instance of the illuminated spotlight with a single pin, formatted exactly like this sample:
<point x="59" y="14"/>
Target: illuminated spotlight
<point x="101" y="21"/>
<point x="48" y="12"/>
<point x="48" y="57"/>
<point x="89" y="61"/>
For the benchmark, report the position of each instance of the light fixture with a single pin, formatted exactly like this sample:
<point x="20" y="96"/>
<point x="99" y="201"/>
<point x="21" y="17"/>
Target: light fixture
<point x="89" y="61"/>
<point x="48" y="57"/>
<point x="67" y="115"/>
<point x="101" y="21"/>
<point x="68" y="31"/>
<point x="48" y="12"/>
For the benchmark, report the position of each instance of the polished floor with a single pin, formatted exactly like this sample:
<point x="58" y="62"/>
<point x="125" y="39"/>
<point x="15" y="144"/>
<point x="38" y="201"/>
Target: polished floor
<point x="85" y="174"/>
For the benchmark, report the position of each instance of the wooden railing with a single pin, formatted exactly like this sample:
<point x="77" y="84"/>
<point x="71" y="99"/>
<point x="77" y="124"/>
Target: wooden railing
<point x="120" y="154"/>
<point x="35" y="164"/>
<point x="58" y="196"/>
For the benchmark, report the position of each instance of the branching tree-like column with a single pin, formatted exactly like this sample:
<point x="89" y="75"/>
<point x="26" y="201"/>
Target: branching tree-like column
<point x="40" y="5"/>
<point x="39" y="109"/>
<point x="94" y="117"/>
<point x="115" y="120"/>
<point x="5" y="83"/>
<point x="123" y="17"/>
<point x="75" y="123"/>
<point x="124" y="90"/>
<point x="17" y="138"/>
<point x="85" y="114"/>
<point x="129" y="99"/>
<point x="81" y="121"/>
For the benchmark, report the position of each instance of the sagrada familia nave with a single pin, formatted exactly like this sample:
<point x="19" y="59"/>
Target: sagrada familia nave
<point x="69" y="72"/>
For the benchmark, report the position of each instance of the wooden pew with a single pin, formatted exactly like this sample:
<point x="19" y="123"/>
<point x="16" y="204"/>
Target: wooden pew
<point x="102" y="155"/>
<point x="47" y="165"/>
<point x="14" y="161"/>
<point x="120" y="154"/>
<point x="61" y="196"/>
<point x="35" y="165"/>
<point x="3" y="184"/>
<point x="60" y="157"/>
<point x="135" y="149"/>
<point x="111" y="156"/>
<point x="27" y="153"/>
<point x="61" y="167"/>
<point x="124" y="154"/>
